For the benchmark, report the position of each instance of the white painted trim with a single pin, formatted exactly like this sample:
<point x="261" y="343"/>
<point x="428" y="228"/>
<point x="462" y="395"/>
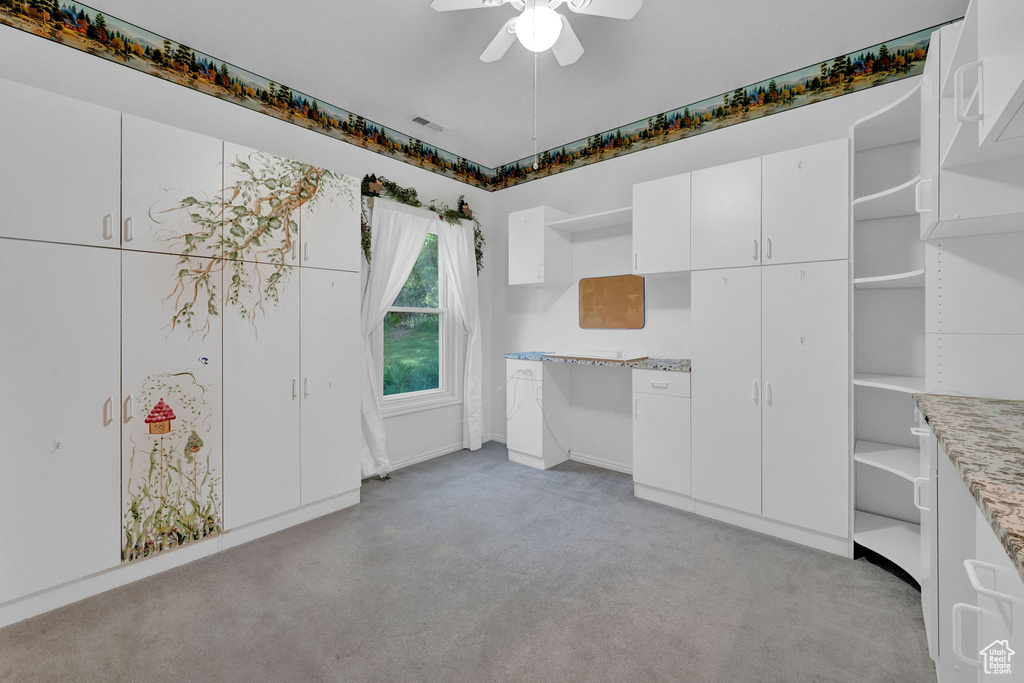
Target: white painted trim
<point x="526" y="459"/>
<point x="669" y="498"/>
<point x="436" y="453"/>
<point x="599" y="462"/>
<point x="500" y="438"/>
<point x="121" y="575"/>
<point x="814" y="539"/>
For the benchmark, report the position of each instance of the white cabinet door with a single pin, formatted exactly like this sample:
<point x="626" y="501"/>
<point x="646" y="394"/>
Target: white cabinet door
<point x="931" y="87"/>
<point x="1001" y="51"/>
<point x="170" y="470"/>
<point x="726" y="215"/>
<point x="726" y="388"/>
<point x="60" y="168"/>
<point x="805" y="203"/>
<point x="526" y="247"/>
<point x="805" y="429"/>
<point x="59" y="437"/>
<point x="525" y="426"/>
<point x="661" y="225"/>
<point x="661" y="442"/>
<point x="171" y="187"/>
<point x="261" y="402"/>
<point x="1002" y="610"/>
<point x="329" y="224"/>
<point x="256" y="181"/>
<point x="331" y="360"/>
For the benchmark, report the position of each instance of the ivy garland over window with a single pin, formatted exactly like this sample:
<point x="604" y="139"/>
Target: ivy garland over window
<point x="374" y="186"/>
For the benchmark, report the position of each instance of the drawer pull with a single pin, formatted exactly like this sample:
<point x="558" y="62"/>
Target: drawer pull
<point x="958" y="632"/>
<point x="659" y="385"/>
<point x="920" y="431"/>
<point x="972" y="574"/>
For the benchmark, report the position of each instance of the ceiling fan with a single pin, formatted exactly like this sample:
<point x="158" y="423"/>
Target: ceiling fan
<point x="539" y="27"/>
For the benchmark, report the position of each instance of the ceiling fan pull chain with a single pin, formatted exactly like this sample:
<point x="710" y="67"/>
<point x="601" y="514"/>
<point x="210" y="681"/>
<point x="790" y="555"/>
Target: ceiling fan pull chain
<point x="536" y="157"/>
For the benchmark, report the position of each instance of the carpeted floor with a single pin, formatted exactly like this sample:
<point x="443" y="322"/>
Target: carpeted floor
<point x="472" y="568"/>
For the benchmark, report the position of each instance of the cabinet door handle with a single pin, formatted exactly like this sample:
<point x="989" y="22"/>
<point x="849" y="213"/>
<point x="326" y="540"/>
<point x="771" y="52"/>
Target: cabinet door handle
<point x="129" y="229"/>
<point x="918" y="204"/>
<point x="959" y="112"/>
<point x="755" y="250"/>
<point x="295" y="389"/>
<point x="768" y="248"/>
<point x="972" y="574"/>
<point x="659" y="385"/>
<point x="108" y="227"/>
<point x="539" y="394"/>
<point x="958" y="632"/>
<point x="636" y="407"/>
<point x="305" y="387"/>
<point x="127" y="412"/>
<point x="295" y="250"/>
<point x="305" y="250"/>
<point x="540" y="270"/>
<point x="755" y="391"/>
<point x="768" y="393"/>
<point x="920" y="431"/>
<point x="917" y="494"/>
<point x="636" y="261"/>
<point x="108" y="406"/>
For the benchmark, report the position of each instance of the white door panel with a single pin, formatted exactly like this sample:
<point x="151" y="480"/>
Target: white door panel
<point x="525" y="417"/>
<point x="329" y="225"/>
<point x="726" y="215"/>
<point x="661" y="225"/>
<point x="661" y="442"/>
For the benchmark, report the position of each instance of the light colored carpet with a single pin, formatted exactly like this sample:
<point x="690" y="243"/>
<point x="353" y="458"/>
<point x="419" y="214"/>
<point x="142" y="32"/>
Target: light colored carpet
<point x="472" y="568"/>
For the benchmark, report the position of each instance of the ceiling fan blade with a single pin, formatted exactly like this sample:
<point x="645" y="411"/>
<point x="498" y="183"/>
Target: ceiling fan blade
<point x="449" y="5"/>
<point x="567" y="48"/>
<point x="501" y="43"/>
<point x="616" y="9"/>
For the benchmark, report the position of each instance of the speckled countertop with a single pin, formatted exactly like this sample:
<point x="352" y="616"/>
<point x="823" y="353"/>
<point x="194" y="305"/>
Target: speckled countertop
<point x="984" y="439"/>
<point x="670" y="364"/>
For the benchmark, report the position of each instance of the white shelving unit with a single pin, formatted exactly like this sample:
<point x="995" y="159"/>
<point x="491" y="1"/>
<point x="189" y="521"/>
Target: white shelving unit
<point x="595" y="221"/>
<point x="889" y="280"/>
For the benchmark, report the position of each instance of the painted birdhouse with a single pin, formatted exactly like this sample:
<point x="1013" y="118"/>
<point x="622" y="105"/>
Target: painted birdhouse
<point x="159" y="419"/>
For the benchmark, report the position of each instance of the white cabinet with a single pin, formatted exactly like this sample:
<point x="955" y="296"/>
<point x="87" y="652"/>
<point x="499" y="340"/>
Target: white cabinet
<point x="331" y="351"/>
<point x="537" y="405"/>
<point x="726" y="409"/>
<point x="59" y="426"/>
<point x="1000" y="24"/>
<point x="329" y="225"/>
<point x="661" y="430"/>
<point x="805" y="193"/>
<point x="60" y="168"/>
<point x="537" y="254"/>
<point x="261" y="404"/>
<point x="168" y="175"/>
<point x="1000" y="592"/>
<point x="661" y="225"/>
<point x="805" y="424"/>
<point x="726" y="215"/>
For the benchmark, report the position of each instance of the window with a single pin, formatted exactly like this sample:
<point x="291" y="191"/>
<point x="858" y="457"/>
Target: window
<point x="416" y="339"/>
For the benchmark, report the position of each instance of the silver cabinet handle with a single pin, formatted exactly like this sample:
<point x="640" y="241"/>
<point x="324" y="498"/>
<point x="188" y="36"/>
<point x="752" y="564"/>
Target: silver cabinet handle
<point x="108" y="406"/>
<point x="768" y="249"/>
<point x="959" y="108"/>
<point x="917" y="494"/>
<point x="305" y="388"/>
<point x="636" y="407"/>
<point x="127" y="411"/>
<point x="129" y="229"/>
<point x="768" y="393"/>
<point x="295" y="250"/>
<point x="920" y="431"/>
<point x="972" y="574"/>
<point x="295" y="389"/>
<point x="755" y="391"/>
<point x="958" y="632"/>
<point x="540" y="270"/>
<point x="659" y="385"/>
<point x="305" y="251"/>
<point x="636" y="260"/>
<point x="108" y="227"/>
<point x="918" y="203"/>
<point x="755" y="250"/>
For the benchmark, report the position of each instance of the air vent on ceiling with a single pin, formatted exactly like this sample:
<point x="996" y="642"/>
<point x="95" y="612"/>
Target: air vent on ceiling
<point x="432" y="125"/>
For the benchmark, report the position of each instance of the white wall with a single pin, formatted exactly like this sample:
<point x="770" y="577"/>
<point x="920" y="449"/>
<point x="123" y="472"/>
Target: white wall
<point x="28" y="59"/>
<point x="540" y="319"/>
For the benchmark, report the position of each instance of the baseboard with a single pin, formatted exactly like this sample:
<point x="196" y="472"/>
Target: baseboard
<point x="670" y="498"/>
<point x="599" y="462"/>
<point x="500" y="438"/>
<point x="422" y="457"/>
<point x="121" y="575"/>
<point x="814" y="539"/>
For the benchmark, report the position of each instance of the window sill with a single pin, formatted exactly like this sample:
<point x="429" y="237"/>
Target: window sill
<point x="407" y="407"/>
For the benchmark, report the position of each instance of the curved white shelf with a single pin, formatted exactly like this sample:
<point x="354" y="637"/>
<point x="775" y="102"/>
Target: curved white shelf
<point x="897" y="540"/>
<point x="899" y="122"/>
<point x="899" y="460"/>
<point x="595" y="221"/>
<point x="904" y="383"/>
<point x="909" y="280"/>
<point x="896" y="201"/>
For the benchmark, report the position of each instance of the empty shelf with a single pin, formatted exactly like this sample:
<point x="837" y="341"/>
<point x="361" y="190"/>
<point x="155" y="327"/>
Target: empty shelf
<point x="899" y="122"/>
<point x="906" y="384"/>
<point x="899" y="460"/>
<point x="908" y="280"/>
<point x="892" y="538"/>
<point x="595" y="221"/>
<point x="896" y="201"/>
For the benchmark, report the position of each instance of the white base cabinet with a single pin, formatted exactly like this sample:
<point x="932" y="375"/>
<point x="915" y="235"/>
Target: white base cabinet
<point x="661" y="432"/>
<point x="537" y="405"/>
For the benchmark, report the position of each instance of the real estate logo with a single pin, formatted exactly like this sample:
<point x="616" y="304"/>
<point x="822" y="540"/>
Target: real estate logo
<point x="997" y="657"/>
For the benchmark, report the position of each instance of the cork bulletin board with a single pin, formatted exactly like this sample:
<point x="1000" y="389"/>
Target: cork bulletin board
<point x="612" y="303"/>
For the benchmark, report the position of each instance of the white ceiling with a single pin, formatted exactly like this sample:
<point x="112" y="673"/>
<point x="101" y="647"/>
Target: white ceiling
<point x="390" y="60"/>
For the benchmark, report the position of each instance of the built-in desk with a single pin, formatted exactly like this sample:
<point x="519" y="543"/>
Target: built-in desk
<point x="538" y="411"/>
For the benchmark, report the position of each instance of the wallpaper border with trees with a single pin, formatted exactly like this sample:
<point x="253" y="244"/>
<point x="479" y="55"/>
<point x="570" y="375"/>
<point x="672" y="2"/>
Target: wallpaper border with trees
<point x="84" y="28"/>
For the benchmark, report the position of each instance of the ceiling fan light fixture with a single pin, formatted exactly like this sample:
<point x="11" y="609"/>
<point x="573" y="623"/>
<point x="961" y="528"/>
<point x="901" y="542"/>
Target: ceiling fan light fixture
<point x="538" y="28"/>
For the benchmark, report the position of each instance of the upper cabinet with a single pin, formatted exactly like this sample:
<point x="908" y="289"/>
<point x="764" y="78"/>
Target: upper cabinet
<point x="171" y="189"/>
<point x="67" y="148"/>
<point x="805" y="202"/>
<point x="261" y="217"/>
<point x="329" y="223"/>
<point x="661" y="225"/>
<point x="537" y="254"/>
<point x="726" y="215"/>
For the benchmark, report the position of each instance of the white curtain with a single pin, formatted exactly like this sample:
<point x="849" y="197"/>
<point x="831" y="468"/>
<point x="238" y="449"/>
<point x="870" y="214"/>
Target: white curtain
<point x="457" y="251"/>
<point x="397" y="234"/>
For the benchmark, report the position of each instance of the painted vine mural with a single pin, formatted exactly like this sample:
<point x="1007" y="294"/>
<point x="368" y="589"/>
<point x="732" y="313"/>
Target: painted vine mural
<point x="83" y="28"/>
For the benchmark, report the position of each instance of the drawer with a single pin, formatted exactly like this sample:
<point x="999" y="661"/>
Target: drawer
<point x="527" y="369"/>
<point x="661" y="382"/>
